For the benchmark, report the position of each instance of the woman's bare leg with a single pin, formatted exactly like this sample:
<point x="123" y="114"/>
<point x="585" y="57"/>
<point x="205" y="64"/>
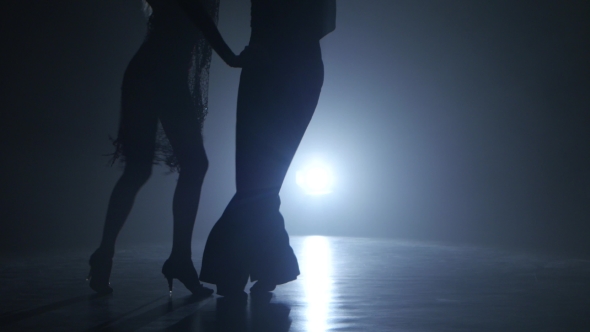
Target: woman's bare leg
<point x="122" y="198"/>
<point x="184" y="133"/>
<point x="183" y="130"/>
<point x="120" y="203"/>
<point x="186" y="201"/>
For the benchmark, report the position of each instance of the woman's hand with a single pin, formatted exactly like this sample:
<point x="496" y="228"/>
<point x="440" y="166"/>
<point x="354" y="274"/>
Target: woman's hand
<point x="253" y="55"/>
<point x="233" y="61"/>
<point x="198" y="15"/>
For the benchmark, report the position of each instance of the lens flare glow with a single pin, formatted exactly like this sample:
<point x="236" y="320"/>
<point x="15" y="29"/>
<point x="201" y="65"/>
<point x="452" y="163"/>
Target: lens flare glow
<point x="316" y="179"/>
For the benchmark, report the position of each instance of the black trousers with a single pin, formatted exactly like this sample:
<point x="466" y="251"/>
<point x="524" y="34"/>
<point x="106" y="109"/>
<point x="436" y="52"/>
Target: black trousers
<point x="276" y="101"/>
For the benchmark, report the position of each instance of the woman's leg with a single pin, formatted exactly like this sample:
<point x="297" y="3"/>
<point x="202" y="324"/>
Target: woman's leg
<point x="193" y="167"/>
<point x="182" y="127"/>
<point x="120" y="203"/>
<point x="122" y="198"/>
<point x="137" y="134"/>
<point x="186" y="201"/>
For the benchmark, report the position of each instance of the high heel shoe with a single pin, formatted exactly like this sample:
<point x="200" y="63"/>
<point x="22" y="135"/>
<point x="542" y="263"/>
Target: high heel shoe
<point x="184" y="270"/>
<point x="101" y="263"/>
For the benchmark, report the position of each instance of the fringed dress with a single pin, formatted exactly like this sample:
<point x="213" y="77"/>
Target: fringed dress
<point x="165" y="86"/>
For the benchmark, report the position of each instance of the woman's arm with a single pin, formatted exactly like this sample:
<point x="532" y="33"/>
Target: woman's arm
<point x="198" y="15"/>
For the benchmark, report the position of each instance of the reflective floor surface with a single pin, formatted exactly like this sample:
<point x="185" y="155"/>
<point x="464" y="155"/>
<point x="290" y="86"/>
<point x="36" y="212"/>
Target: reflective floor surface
<point x="346" y="284"/>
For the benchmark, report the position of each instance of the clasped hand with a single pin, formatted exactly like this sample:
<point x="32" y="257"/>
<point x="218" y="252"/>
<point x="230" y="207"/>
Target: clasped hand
<point x="251" y="55"/>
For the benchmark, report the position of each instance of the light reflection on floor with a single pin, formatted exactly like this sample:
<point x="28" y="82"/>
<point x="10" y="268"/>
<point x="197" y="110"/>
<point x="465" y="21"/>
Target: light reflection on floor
<point x="346" y="284"/>
<point x="316" y="279"/>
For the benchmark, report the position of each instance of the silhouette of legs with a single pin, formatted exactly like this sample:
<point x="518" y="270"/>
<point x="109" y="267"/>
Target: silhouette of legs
<point x="183" y="131"/>
<point x="193" y="165"/>
<point x="276" y="102"/>
<point x="120" y="203"/>
<point x="137" y="134"/>
<point x="149" y="96"/>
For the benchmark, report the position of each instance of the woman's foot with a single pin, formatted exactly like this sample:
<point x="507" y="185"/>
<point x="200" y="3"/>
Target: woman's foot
<point x="101" y="263"/>
<point x="184" y="270"/>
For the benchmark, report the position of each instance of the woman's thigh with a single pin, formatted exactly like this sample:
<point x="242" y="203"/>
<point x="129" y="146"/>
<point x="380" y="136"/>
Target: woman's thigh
<point x="139" y="121"/>
<point x="182" y="125"/>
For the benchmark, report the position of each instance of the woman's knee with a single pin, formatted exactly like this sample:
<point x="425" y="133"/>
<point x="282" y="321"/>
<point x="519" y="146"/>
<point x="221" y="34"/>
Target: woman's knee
<point x="138" y="173"/>
<point x="194" y="167"/>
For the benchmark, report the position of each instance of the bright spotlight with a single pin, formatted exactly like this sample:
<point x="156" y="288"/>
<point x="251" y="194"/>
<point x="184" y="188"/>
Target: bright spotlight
<point x="316" y="179"/>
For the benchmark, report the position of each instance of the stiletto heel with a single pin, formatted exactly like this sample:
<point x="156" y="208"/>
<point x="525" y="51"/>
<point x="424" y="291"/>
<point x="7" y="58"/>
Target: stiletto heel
<point x="184" y="270"/>
<point x="170" y="280"/>
<point x="101" y="263"/>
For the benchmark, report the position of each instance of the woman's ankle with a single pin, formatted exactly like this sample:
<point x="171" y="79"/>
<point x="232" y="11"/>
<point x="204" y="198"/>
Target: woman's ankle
<point x="106" y="251"/>
<point x="180" y="254"/>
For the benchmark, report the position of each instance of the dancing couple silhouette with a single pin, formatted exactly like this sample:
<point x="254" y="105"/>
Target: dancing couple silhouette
<point x="166" y="82"/>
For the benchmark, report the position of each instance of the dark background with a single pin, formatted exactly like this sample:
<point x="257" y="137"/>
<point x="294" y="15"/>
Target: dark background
<point x="456" y="121"/>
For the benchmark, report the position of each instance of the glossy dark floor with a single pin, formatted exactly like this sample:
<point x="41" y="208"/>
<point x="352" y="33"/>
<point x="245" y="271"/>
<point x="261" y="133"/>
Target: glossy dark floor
<point x="346" y="284"/>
